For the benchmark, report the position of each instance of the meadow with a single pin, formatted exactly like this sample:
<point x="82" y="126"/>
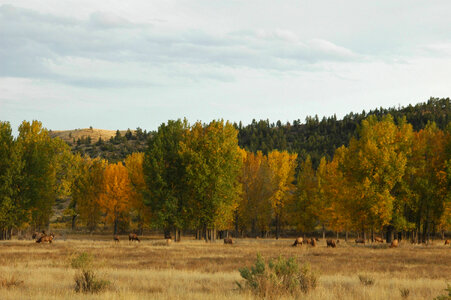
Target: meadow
<point x="194" y="269"/>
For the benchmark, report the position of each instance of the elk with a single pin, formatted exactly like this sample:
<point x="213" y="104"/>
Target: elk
<point x="313" y="242"/>
<point x="116" y="238"/>
<point x="378" y="239"/>
<point x="133" y="237"/>
<point x="331" y="243"/>
<point x="228" y="241"/>
<point x="298" y="241"/>
<point x="45" y="238"/>
<point x="447" y="242"/>
<point x="360" y="241"/>
<point x="394" y="244"/>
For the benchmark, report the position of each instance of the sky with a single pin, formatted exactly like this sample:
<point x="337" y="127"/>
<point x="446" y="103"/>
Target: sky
<point x="125" y="64"/>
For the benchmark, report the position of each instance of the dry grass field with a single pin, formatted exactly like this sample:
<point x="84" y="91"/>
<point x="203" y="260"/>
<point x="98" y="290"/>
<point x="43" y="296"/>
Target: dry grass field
<point x="198" y="270"/>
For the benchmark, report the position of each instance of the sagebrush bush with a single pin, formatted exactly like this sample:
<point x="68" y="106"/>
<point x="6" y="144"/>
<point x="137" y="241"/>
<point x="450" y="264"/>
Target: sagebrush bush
<point x="82" y="261"/>
<point x="278" y="277"/>
<point x="366" y="280"/>
<point x="445" y="297"/>
<point x="86" y="281"/>
<point x="10" y="282"/>
<point x="405" y="292"/>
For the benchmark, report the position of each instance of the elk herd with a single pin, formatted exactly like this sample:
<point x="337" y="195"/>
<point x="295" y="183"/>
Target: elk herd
<point x="43" y="237"/>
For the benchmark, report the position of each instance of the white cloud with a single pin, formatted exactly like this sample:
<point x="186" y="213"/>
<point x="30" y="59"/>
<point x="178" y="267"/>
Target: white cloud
<point x="64" y="61"/>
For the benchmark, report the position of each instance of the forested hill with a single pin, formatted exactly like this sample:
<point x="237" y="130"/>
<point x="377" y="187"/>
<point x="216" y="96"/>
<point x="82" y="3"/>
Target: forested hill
<point x="313" y="137"/>
<point x="319" y="138"/>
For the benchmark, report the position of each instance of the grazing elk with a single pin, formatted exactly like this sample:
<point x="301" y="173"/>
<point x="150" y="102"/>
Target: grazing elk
<point x="360" y="241"/>
<point x="298" y="241"/>
<point x="331" y="243"/>
<point x="228" y="241"/>
<point x="45" y="238"/>
<point x="116" y="238"/>
<point x="133" y="237"/>
<point x="313" y="242"/>
<point x="447" y="242"/>
<point x="394" y="244"/>
<point x="378" y="240"/>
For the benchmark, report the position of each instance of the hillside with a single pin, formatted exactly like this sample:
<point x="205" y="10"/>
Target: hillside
<point x="71" y="136"/>
<point x="108" y="144"/>
<point x="315" y="137"/>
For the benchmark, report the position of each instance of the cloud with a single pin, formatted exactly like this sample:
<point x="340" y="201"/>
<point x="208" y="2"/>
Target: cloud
<point x="33" y="44"/>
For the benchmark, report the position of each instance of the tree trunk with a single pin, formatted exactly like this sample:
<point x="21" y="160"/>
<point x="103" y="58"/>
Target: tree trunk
<point x="74" y="217"/>
<point x="115" y="226"/>
<point x="346" y="236"/>
<point x="324" y="233"/>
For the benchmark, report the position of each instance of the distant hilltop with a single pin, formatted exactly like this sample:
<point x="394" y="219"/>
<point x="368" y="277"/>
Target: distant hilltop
<point x="71" y="136"/>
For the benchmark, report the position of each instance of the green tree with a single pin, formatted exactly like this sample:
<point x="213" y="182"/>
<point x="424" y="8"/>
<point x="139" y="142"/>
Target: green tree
<point x="212" y="164"/>
<point x="164" y="176"/>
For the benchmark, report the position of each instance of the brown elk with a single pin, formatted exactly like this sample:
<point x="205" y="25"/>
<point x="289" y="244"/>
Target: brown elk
<point x="360" y="241"/>
<point x="394" y="244"/>
<point x="331" y="243"/>
<point x="228" y="241"/>
<point x="133" y="237"/>
<point x="447" y="242"/>
<point x="313" y="242"/>
<point x="45" y="238"/>
<point x="378" y="240"/>
<point x="116" y="238"/>
<point x="298" y="241"/>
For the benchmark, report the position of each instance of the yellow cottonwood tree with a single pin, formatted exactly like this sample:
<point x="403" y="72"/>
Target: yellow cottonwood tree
<point x="134" y="165"/>
<point x="255" y="205"/>
<point x="115" y="197"/>
<point x="282" y="169"/>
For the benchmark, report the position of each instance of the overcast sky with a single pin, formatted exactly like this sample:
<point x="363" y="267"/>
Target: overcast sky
<point x="123" y="64"/>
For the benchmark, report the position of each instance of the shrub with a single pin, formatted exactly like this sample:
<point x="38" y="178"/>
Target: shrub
<point x="405" y="292"/>
<point x="277" y="277"/>
<point x="366" y="280"/>
<point x="445" y="297"/>
<point x="82" y="261"/>
<point x="10" y="282"/>
<point x="87" y="282"/>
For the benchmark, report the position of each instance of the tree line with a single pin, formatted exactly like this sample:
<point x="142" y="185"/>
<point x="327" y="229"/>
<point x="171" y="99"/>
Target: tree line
<point x="390" y="178"/>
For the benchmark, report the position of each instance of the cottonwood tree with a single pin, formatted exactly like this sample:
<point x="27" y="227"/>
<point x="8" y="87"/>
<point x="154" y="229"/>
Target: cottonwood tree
<point x="114" y="199"/>
<point x="212" y="164"/>
<point x="282" y="169"/>
<point x="164" y="174"/>
<point x="134" y="165"/>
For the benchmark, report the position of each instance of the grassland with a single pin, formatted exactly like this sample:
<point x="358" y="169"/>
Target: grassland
<point x="198" y="270"/>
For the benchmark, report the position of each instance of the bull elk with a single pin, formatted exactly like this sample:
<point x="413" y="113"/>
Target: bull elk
<point x="133" y="237"/>
<point x="331" y="243"/>
<point x="228" y="241"/>
<point x="298" y="241"/>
